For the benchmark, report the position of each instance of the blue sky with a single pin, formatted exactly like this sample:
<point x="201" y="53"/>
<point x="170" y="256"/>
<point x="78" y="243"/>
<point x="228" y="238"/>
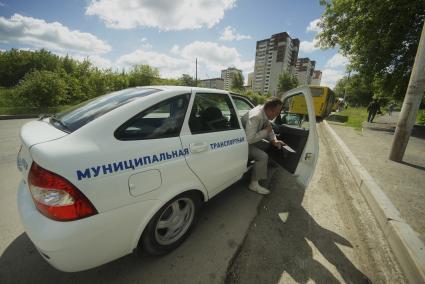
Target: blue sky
<point x="168" y="35"/>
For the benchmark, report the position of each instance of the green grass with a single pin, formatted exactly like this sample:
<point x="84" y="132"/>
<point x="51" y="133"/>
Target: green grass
<point x="356" y="116"/>
<point x="30" y="110"/>
<point x="420" y="117"/>
<point x="8" y="105"/>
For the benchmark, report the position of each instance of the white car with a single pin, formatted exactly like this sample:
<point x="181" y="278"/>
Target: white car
<point x="130" y="169"/>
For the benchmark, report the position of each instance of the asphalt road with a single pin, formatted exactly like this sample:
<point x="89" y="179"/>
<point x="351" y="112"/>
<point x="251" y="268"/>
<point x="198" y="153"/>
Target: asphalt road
<point x="329" y="237"/>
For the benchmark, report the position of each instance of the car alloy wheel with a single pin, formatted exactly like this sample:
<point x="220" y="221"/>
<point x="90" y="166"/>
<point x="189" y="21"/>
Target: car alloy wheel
<point x="171" y="224"/>
<point x="174" y="221"/>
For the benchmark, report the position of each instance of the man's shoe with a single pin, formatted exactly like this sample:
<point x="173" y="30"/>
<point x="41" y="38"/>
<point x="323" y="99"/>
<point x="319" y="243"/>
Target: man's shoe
<point x="259" y="189"/>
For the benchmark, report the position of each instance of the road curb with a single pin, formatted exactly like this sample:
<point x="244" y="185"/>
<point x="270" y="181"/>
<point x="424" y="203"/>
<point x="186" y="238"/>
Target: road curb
<point x="408" y="248"/>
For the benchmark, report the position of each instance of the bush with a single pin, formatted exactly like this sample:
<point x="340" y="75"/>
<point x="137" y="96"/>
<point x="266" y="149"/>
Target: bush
<point x="421" y="117"/>
<point x="42" y="89"/>
<point x="8" y="97"/>
<point x="256" y="98"/>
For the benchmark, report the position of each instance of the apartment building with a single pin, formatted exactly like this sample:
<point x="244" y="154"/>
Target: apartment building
<point x="215" y="83"/>
<point x="227" y="76"/>
<point x="304" y="70"/>
<point x="250" y="80"/>
<point x="317" y="78"/>
<point x="273" y="57"/>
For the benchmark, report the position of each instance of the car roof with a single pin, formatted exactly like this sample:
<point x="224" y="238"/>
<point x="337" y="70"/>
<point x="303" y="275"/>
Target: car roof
<point x="185" y="88"/>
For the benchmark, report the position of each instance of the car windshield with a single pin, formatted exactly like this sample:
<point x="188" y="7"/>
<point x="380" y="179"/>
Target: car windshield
<point x="81" y="114"/>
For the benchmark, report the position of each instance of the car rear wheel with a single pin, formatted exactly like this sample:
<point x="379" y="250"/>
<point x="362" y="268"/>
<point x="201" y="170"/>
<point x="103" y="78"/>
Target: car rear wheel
<point x="170" y="225"/>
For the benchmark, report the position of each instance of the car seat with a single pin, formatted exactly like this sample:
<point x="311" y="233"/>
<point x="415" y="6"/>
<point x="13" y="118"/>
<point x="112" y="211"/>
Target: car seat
<point x="195" y="123"/>
<point x="213" y="119"/>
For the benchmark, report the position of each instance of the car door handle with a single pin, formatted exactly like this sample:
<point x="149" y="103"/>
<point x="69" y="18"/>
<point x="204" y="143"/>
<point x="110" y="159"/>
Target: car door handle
<point x="198" y="147"/>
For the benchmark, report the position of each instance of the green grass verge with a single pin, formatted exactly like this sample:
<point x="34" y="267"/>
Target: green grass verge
<point x="420" y="117"/>
<point x="8" y="105"/>
<point x="30" y="110"/>
<point x="356" y="116"/>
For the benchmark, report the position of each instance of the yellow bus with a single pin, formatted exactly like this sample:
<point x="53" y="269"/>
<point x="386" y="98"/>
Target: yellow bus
<point x="323" y="99"/>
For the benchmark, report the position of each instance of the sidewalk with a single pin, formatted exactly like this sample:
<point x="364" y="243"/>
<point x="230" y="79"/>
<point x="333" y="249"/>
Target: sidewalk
<point x="394" y="191"/>
<point x="403" y="183"/>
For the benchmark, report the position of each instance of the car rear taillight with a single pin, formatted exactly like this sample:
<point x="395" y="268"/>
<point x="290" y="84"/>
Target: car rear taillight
<point x="57" y="198"/>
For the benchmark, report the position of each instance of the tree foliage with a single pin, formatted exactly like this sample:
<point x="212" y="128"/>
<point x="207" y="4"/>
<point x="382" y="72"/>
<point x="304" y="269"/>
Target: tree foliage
<point x="355" y="90"/>
<point x="14" y="64"/>
<point x="286" y="82"/>
<point x="41" y="79"/>
<point x="379" y="37"/>
<point x="186" y="80"/>
<point x="237" y="81"/>
<point x="143" y="75"/>
<point x="256" y="98"/>
<point x="37" y="87"/>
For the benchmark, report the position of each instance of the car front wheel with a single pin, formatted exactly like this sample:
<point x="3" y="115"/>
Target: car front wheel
<point x="171" y="224"/>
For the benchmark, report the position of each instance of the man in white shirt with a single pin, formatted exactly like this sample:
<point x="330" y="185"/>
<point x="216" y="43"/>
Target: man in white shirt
<point x="257" y="127"/>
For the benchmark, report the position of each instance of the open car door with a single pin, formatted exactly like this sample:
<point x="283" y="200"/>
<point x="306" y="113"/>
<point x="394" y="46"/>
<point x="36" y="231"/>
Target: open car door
<point x="296" y="126"/>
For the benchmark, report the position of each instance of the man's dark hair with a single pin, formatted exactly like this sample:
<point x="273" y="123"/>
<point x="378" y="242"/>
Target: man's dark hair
<point x="272" y="103"/>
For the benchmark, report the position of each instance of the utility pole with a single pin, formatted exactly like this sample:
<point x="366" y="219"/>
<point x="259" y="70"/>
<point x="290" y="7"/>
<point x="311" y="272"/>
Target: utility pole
<point x="196" y="72"/>
<point x="345" y="86"/>
<point x="411" y="103"/>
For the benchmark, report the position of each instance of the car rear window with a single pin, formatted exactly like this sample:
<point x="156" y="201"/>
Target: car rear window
<point x="81" y="114"/>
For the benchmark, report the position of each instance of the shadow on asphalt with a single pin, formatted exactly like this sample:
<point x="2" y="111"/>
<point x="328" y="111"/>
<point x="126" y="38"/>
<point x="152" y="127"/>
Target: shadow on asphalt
<point x="202" y="258"/>
<point x="274" y="248"/>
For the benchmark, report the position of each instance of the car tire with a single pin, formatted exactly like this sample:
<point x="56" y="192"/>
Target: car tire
<point x="171" y="225"/>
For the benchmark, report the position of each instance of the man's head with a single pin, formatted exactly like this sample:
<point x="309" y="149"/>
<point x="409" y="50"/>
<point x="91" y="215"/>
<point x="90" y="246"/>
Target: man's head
<point x="272" y="107"/>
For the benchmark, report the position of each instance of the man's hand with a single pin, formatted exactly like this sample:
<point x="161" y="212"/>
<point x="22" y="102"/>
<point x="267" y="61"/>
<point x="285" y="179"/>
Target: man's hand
<point x="278" y="143"/>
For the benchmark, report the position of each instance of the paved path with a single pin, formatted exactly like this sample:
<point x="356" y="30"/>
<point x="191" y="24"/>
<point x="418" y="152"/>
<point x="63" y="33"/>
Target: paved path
<point x="330" y="236"/>
<point x="404" y="183"/>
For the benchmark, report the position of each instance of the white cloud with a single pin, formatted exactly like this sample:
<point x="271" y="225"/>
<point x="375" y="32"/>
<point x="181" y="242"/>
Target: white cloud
<point x="337" y="61"/>
<point x="100" y="62"/>
<point x="309" y="46"/>
<point x="230" y="33"/>
<point x="53" y="36"/>
<point x="146" y="46"/>
<point x="175" y="50"/>
<point x="2" y="4"/>
<point x="314" y="26"/>
<point x="215" y="57"/>
<point x="212" y="58"/>
<point x="162" y="14"/>
<point x="331" y="76"/>
<point x="335" y="69"/>
<point x="145" y="43"/>
<point x="167" y="66"/>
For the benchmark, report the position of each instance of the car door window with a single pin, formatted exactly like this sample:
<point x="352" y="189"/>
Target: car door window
<point x="211" y="113"/>
<point x="292" y="127"/>
<point x="163" y="120"/>
<point x="242" y="106"/>
<point x="294" y="112"/>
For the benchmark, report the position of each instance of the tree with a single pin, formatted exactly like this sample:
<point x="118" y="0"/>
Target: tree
<point x="186" y="80"/>
<point x="355" y="89"/>
<point x="14" y="64"/>
<point x="42" y="89"/>
<point x="237" y="81"/>
<point x="142" y="75"/>
<point x="256" y="98"/>
<point x="286" y="82"/>
<point x="379" y="37"/>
